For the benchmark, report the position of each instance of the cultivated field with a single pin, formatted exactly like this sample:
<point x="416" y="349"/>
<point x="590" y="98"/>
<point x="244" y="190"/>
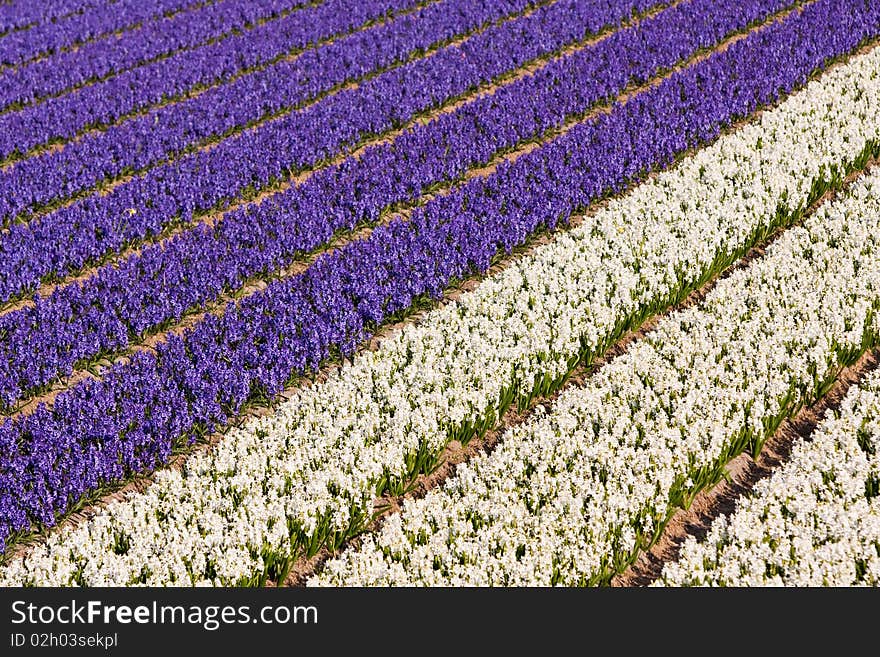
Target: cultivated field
<point x="440" y="292"/>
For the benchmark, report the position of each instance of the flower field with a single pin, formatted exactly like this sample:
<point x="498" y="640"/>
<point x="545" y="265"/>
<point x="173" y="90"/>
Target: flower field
<point x="439" y="292"/>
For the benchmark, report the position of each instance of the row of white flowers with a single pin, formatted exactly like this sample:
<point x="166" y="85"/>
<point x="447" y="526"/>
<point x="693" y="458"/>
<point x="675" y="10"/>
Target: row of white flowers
<point x="814" y="522"/>
<point x="572" y="495"/>
<point x="307" y="475"/>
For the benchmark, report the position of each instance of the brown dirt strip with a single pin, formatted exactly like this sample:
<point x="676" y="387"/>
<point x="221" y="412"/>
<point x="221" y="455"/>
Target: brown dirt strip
<point x="698" y="516"/>
<point x="15" y="107"/>
<point x="139" y="483"/>
<point x="256" y="284"/>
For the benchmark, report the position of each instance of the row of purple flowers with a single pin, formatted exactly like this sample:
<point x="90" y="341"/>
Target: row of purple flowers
<point x="141" y="142"/>
<point x="94" y="20"/>
<point x="104" y="57"/>
<point x="136" y="90"/>
<point x="22" y="14"/>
